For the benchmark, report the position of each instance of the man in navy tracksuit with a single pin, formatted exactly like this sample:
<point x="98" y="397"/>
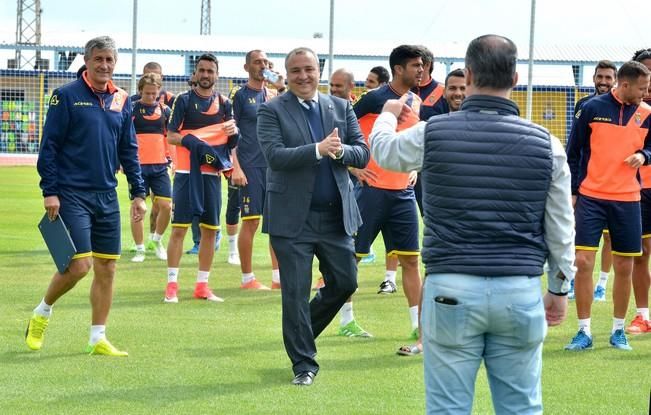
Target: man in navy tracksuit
<point x="88" y="135"/>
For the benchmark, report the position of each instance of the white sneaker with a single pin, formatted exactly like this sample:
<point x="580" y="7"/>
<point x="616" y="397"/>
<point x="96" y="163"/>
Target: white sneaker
<point x="161" y="251"/>
<point x="234" y="258"/>
<point x="139" y="257"/>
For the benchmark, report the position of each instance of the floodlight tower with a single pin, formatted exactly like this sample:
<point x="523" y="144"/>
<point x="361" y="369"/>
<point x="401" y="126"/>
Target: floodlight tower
<point x="205" y="17"/>
<point x="28" y="33"/>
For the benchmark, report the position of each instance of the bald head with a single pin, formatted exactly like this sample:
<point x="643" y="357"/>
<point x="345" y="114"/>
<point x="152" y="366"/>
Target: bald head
<point x="342" y="83"/>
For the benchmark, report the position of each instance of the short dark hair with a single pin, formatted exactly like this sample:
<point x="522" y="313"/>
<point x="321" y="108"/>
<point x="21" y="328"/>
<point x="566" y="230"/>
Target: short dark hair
<point x="382" y="74"/>
<point x="641" y="55"/>
<point x="428" y="57"/>
<point x="632" y="70"/>
<point x="208" y="57"/>
<point x="402" y="54"/>
<point x="605" y="64"/>
<point x="249" y="54"/>
<point x="458" y="73"/>
<point x="492" y="59"/>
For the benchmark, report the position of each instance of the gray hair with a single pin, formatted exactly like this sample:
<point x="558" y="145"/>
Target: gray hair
<point x="348" y="74"/>
<point x="101" y="43"/>
<point x="301" y="51"/>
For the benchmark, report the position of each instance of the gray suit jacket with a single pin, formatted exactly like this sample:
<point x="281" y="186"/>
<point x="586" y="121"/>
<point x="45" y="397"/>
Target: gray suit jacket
<point x="287" y="146"/>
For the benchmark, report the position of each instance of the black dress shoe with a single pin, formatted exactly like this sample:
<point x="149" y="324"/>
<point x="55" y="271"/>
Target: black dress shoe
<point x="304" y="379"/>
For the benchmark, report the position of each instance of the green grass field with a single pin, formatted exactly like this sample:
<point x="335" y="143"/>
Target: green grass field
<point x="195" y="357"/>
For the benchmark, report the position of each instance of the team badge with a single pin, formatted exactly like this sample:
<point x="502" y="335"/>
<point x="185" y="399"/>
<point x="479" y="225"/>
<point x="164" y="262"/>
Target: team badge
<point x="54" y="100"/>
<point x="209" y="159"/>
<point x="638" y="119"/>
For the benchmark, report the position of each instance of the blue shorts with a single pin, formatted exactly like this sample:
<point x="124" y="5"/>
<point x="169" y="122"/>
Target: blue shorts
<point x="212" y="201"/>
<point x="623" y="220"/>
<point x="157" y="181"/>
<point x="233" y="205"/>
<point x="394" y="213"/>
<point x="93" y="220"/>
<point x="645" y="208"/>
<point x="253" y="193"/>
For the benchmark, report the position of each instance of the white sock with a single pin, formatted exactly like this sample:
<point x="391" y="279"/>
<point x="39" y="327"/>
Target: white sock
<point x="413" y="315"/>
<point x="172" y="275"/>
<point x="390" y="276"/>
<point x="156" y="237"/>
<point x="584" y="324"/>
<point x="603" y="279"/>
<point x="644" y="312"/>
<point x="247" y="277"/>
<point x="346" y="313"/>
<point x="232" y="244"/>
<point x="140" y="247"/>
<point x="45" y="310"/>
<point x="202" y="276"/>
<point x="618" y="324"/>
<point x="151" y="236"/>
<point x="97" y="333"/>
<point x="275" y="275"/>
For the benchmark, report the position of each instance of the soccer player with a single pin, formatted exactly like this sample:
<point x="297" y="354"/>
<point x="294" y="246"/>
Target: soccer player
<point x="200" y="111"/>
<point x="167" y="98"/>
<point x="641" y="276"/>
<point x="454" y="94"/>
<point x="432" y="94"/>
<point x="377" y="76"/>
<point x="605" y="75"/>
<point x="150" y="122"/>
<point x="455" y="89"/>
<point x="87" y="136"/>
<point x="385" y="198"/>
<point x="342" y="83"/>
<point x="609" y="141"/>
<point x="250" y="166"/>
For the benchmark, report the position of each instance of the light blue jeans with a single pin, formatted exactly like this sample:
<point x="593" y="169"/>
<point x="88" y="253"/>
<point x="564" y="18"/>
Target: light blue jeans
<point x="500" y="320"/>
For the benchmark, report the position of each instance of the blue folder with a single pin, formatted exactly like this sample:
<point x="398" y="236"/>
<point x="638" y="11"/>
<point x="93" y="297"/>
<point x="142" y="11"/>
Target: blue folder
<point x="58" y="241"/>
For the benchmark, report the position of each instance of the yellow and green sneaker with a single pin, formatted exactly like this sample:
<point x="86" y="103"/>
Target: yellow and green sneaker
<point x="353" y="329"/>
<point x="35" y="331"/>
<point x="415" y="334"/>
<point x="105" y="348"/>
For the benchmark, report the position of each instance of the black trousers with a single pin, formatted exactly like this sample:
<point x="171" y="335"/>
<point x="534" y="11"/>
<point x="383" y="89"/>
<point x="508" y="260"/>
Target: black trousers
<point x="322" y="235"/>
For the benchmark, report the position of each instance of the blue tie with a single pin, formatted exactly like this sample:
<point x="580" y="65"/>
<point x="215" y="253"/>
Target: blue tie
<point x="313" y="115"/>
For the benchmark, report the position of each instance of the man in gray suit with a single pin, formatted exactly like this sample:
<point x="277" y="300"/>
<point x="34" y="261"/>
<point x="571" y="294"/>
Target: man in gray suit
<point x="309" y="140"/>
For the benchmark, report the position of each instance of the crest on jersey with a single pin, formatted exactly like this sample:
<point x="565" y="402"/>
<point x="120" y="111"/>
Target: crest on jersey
<point x="209" y="159"/>
<point x="54" y="100"/>
<point x="638" y="119"/>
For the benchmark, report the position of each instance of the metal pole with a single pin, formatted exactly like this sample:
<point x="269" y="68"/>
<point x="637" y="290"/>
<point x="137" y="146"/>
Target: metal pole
<point x="134" y="51"/>
<point x="331" y="55"/>
<point x="532" y="26"/>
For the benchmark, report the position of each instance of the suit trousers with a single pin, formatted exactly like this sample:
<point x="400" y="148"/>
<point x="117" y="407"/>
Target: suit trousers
<point x="322" y="235"/>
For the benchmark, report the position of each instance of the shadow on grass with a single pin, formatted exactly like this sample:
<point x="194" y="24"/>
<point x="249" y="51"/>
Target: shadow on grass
<point x="175" y="393"/>
<point x="20" y="357"/>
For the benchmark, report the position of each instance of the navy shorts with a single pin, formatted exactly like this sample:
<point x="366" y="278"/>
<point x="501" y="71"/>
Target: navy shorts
<point x="93" y="220"/>
<point x="212" y="201"/>
<point x="253" y="193"/>
<point x="233" y="205"/>
<point x="622" y="219"/>
<point x="645" y="207"/>
<point x="157" y="180"/>
<point x="394" y="213"/>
